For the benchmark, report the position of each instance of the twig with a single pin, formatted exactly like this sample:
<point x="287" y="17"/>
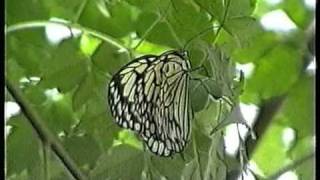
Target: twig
<point x="43" y="132"/>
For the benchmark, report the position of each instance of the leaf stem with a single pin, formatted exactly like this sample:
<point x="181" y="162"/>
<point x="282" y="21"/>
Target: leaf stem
<point x="80" y="10"/>
<point x="45" y="135"/>
<point x="39" y="24"/>
<point x="223" y="21"/>
<point x="197" y="155"/>
<point x="45" y="159"/>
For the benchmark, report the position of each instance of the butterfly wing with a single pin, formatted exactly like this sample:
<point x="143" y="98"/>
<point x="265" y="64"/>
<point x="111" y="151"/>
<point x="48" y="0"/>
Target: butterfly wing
<point x="150" y="96"/>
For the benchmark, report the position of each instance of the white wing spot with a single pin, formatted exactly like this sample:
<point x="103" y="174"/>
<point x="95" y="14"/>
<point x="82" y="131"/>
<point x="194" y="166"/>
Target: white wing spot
<point x="155" y="146"/>
<point x="137" y="126"/>
<point x="150" y="141"/>
<point x="126" y="70"/>
<point x="124" y="124"/>
<point x="161" y="146"/>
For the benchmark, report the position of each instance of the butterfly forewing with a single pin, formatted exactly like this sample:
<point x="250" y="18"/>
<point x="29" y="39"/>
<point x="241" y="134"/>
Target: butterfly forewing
<point x="150" y="96"/>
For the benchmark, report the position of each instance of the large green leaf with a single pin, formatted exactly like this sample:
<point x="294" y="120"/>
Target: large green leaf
<point x="83" y="149"/>
<point x="274" y="73"/>
<point x="23" y="150"/>
<point x="298" y="108"/>
<point x="108" y="59"/>
<point x="122" y="162"/>
<point x="17" y="11"/>
<point x="264" y="155"/>
<point x="116" y="19"/>
<point x="66" y="68"/>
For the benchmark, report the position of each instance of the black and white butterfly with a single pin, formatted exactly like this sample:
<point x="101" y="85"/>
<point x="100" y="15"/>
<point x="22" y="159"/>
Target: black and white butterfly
<point x="150" y="96"/>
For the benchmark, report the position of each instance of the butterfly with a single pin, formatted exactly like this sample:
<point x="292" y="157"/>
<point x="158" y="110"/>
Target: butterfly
<point x="150" y="96"/>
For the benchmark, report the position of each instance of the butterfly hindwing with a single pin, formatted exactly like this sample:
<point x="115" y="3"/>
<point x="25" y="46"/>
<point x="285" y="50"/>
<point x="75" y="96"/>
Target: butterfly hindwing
<point x="150" y="96"/>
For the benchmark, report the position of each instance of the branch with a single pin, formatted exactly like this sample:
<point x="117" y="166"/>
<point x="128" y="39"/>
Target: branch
<point x="267" y="111"/>
<point x="45" y="135"/>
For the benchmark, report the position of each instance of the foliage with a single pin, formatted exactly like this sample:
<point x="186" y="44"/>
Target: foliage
<point x="71" y="94"/>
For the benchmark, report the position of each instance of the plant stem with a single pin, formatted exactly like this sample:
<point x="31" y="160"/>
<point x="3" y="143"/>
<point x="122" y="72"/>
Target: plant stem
<point x="45" y="135"/>
<point x="45" y="159"/>
<point x="37" y="24"/>
<point x="80" y="10"/>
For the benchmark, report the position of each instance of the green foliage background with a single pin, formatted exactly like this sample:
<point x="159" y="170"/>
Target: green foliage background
<point x="115" y="31"/>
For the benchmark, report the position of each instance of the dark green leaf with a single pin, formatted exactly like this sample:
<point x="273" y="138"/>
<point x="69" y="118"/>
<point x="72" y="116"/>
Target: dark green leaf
<point x="83" y="149"/>
<point x="123" y="162"/>
<point x="22" y="146"/>
<point x="66" y="69"/>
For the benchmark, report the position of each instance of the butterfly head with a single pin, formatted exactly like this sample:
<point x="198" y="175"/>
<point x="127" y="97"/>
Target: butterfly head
<point x="185" y="56"/>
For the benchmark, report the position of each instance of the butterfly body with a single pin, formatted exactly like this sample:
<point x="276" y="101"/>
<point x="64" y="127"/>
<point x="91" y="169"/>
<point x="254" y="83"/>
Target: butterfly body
<point x="150" y="96"/>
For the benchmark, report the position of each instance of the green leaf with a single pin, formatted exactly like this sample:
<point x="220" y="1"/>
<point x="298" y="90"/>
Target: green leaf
<point x="158" y="33"/>
<point x="198" y="95"/>
<point x="307" y="169"/>
<point x="17" y="11"/>
<point x="63" y="9"/>
<point x="98" y="122"/>
<point x="66" y="69"/>
<point x="89" y="44"/>
<point x="22" y="146"/>
<point x="274" y="74"/>
<point x="215" y="8"/>
<point x="118" y="22"/>
<point x="84" y="150"/>
<point x="240" y="8"/>
<point x="57" y="114"/>
<point x="216" y="167"/>
<point x="35" y="94"/>
<point x="298" y="108"/>
<point x="156" y="5"/>
<point x="108" y="59"/>
<point x="302" y="147"/>
<point x="20" y="176"/>
<point x="187" y="21"/>
<point x="298" y="13"/>
<point x="129" y="137"/>
<point x="170" y="168"/>
<point x="207" y="118"/>
<point x="271" y="141"/>
<point x="14" y="70"/>
<point x="28" y="49"/>
<point x="242" y="29"/>
<point x="260" y="45"/>
<point x="84" y="92"/>
<point x="191" y="170"/>
<point x="123" y="162"/>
